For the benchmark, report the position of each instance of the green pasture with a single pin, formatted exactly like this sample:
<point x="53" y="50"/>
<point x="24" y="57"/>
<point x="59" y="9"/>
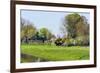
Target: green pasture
<point x="54" y="53"/>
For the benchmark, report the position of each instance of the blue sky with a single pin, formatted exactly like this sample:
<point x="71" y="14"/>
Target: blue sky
<point x="48" y="19"/>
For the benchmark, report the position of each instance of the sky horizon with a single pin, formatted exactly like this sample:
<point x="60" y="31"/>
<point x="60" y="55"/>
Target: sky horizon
<point x="49" y="19"/>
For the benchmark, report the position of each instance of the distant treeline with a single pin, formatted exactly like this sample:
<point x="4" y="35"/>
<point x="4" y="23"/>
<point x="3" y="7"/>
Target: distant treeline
<point x="75" y="27"/>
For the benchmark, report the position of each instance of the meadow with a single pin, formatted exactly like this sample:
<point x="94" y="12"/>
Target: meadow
<point x="34" y="52"/>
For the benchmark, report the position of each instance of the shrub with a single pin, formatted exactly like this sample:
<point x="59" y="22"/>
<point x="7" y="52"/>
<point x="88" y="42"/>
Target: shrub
<point x="59" y="41"/>
<point x="85" y="41"/>
<point x="78" y="42"/>
<point x="82" y="41"/>
<point x="70" y="42"/>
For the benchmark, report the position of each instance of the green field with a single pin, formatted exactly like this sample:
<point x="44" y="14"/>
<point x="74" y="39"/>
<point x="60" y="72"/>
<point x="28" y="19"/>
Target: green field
<point x="54" y="53"/>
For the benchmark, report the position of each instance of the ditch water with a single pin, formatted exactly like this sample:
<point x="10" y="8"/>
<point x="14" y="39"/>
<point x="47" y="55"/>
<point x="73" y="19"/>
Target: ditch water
<point x="30" y="58"/>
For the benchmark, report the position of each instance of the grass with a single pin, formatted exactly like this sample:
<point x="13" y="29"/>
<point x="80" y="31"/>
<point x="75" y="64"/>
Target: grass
<point x="55" y="53"/>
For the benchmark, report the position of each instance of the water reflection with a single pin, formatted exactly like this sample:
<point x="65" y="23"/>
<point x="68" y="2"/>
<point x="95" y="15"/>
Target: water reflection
<point x="30" y="58"/>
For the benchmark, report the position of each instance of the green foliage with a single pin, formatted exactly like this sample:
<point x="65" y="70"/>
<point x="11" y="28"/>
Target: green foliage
<point x="79" y="41"/>
<point x="70" y="24"/>
<point x="70" y="42"/>
<point x="77" y="29"/>
<point x="75" y="26"/>
<point x="82" y="41"/>
<point x="59" y="41"/>
<point x="27" y="31"/>
<point x="56" y="53"/>
<point x="44" y="32"/>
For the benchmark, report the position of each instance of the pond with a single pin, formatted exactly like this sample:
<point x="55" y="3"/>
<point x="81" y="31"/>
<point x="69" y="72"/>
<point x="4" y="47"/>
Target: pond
<point x="30" y="58"/>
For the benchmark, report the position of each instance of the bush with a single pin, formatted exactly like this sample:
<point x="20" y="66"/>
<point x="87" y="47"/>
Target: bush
<point x="86" y="41"/>
<point x="59" y="42"/>
<point x="82" y="41"/>
<point x="79" y="41"/>
<point x="71" y="42"/>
